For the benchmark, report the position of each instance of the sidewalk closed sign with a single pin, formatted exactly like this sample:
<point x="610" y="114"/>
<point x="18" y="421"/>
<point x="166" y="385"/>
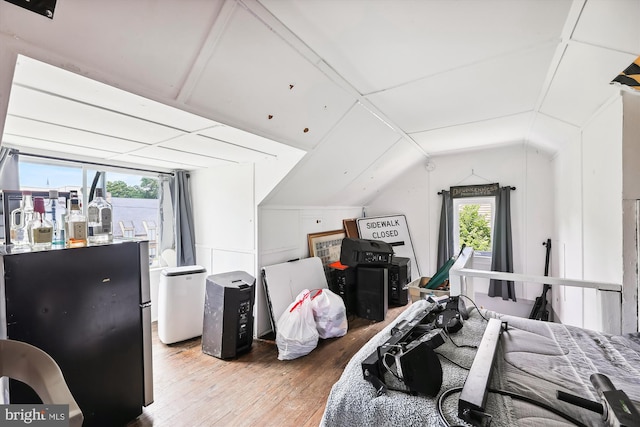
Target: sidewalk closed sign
<point x="391" y="229"/>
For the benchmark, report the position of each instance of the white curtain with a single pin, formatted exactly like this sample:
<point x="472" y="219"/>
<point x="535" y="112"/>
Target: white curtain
<point x="167" y="219"/>
<point x="9" y="169"/>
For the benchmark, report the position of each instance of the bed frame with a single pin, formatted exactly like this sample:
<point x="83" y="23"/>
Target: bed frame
<point x="609" y="313"/>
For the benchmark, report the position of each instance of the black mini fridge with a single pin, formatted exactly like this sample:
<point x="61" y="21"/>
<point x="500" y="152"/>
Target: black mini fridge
<point x="90" y="309"/>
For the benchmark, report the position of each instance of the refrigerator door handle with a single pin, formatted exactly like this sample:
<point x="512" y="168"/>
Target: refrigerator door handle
<point x="147" y="367"/>
<point x="145" y="280"/>
<point x="145" y="307"/>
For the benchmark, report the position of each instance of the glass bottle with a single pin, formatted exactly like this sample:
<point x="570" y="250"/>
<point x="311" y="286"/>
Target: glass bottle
<point x="55" y="212"/>
<point x="16" y="223"/>
<point x="40" y="229"/>
<point x="20" y="219"/>
<point x="75" y="225"/>
<point x="99" y="219"/>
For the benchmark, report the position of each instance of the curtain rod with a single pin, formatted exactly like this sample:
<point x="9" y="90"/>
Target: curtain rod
<point x="440" y="192"/>
<point x="42" y="156"/>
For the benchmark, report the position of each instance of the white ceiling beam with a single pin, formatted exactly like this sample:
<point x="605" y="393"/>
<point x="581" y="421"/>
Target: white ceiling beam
<point x="569" y="27"/>
<point x="206" y="51"/>
<point x="98" y="107"/>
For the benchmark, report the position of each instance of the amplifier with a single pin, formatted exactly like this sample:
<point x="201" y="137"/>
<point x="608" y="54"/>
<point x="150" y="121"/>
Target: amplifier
<point x="399" y="279"/>
<point x="342" y="281"/>
<point x="354" y="252"/>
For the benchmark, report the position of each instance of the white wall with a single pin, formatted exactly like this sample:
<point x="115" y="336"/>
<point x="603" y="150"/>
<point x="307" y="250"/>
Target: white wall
<point x="8" y="58"/>
<point x="225" y="201"/>
<point x="409" y="195"/>
<point x="224" y="216"/>
<point x="602" y="205"/>
<point x="282" y="236"/>
<point x="527" y="169"/>
<point x="588" y="194"/>
<point x="567" y="243"/>
<point x="270" y="172"/>
<point x="631" y="210"/>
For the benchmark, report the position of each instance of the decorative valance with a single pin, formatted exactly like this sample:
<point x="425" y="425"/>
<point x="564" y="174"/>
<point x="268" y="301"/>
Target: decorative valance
<point x="482" y="190"/>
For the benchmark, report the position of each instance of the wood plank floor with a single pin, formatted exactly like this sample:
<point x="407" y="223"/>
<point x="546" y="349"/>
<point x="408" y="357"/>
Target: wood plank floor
<point x="255" y="389"/>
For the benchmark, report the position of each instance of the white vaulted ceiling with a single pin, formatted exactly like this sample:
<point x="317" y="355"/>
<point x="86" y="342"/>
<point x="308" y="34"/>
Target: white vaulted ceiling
<point x="55" y="111"/>
<point x="365" y="88"/>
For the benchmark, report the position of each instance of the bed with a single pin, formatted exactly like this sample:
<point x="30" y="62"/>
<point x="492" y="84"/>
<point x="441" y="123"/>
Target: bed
<point x="534" y="359"/>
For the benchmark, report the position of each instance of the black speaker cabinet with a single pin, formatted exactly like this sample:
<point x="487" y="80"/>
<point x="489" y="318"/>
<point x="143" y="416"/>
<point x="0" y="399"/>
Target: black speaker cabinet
<point x="399" y="279"/>
<point x="228" y="314"/>
<point x="372" y="292"/>
<point x="342" y="281"/>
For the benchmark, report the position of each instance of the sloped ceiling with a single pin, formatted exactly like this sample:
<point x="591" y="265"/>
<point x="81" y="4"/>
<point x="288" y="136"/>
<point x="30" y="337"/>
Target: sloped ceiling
<point x="365" y="88"/>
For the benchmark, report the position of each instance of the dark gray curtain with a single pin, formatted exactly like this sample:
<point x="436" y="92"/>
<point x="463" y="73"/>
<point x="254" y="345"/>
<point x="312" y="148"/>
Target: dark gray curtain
<point x="445" y="235"/>
<point x="183" y="212"/>
<point x="9" y="169"/>
<point x="502" y="251"/>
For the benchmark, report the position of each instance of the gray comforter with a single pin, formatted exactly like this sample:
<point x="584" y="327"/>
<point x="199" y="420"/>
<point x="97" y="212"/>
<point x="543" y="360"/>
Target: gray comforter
<point x="535" y="359"/>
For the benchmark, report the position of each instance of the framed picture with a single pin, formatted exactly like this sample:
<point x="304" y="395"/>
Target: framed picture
<point x="326" y="246"/>
<point x="351" y="228"/>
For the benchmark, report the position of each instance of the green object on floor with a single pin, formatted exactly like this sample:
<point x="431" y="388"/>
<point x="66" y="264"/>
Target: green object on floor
<point x="441" y="275"/>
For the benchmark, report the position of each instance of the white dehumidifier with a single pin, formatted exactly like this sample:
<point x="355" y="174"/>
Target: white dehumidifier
<point x="181" y="303"/>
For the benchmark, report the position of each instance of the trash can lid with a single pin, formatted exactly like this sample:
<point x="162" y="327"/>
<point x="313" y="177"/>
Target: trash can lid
<point x="232" y="279"/>
<point x="185" y="269"/>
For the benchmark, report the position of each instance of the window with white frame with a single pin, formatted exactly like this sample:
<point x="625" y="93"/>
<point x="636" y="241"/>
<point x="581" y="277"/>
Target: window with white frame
<point x="473" y="219"/>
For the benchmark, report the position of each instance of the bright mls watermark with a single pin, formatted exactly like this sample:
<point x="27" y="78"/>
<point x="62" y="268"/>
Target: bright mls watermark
<point x="34" y="415"/>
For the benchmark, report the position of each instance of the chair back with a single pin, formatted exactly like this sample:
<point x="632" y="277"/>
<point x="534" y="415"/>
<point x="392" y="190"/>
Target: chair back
<point x="34" y="367"/>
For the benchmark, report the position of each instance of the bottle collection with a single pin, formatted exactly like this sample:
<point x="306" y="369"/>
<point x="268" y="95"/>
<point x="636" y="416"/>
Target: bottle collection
<point x="38" y="225"/>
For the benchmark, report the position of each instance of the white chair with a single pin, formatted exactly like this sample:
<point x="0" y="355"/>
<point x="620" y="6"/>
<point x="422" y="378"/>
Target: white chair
<point x="151" y="230"/>
<point x="34" y="367"/>
<point x="128" y="229"/>
<point x="168" y="258"/>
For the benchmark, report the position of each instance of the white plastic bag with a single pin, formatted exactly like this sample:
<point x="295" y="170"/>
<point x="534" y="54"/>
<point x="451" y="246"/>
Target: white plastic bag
<point x="296" y="333"/>
<point x="330" y="314"/>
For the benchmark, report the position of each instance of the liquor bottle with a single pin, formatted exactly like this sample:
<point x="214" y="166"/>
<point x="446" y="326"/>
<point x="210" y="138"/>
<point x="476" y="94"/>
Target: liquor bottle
<point x="75" y="225"/>
<point x="73" y="194"/>
<point x="99" y="219"/>
<point x="40" y="229"/>
<point x="55" y="212"/>
<point x="16" y="223"/>
<point x="20" y="219"/>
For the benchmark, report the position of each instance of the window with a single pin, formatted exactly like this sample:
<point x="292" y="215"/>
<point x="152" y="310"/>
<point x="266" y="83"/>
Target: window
<point x="134" y="196"/>
<point x="473" y="224"/>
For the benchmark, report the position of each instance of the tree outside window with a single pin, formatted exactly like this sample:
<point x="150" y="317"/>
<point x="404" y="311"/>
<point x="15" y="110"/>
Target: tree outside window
<point x="475" y="228"/>
<point x="148" y="189"/>
<point x="472" y="224"/>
